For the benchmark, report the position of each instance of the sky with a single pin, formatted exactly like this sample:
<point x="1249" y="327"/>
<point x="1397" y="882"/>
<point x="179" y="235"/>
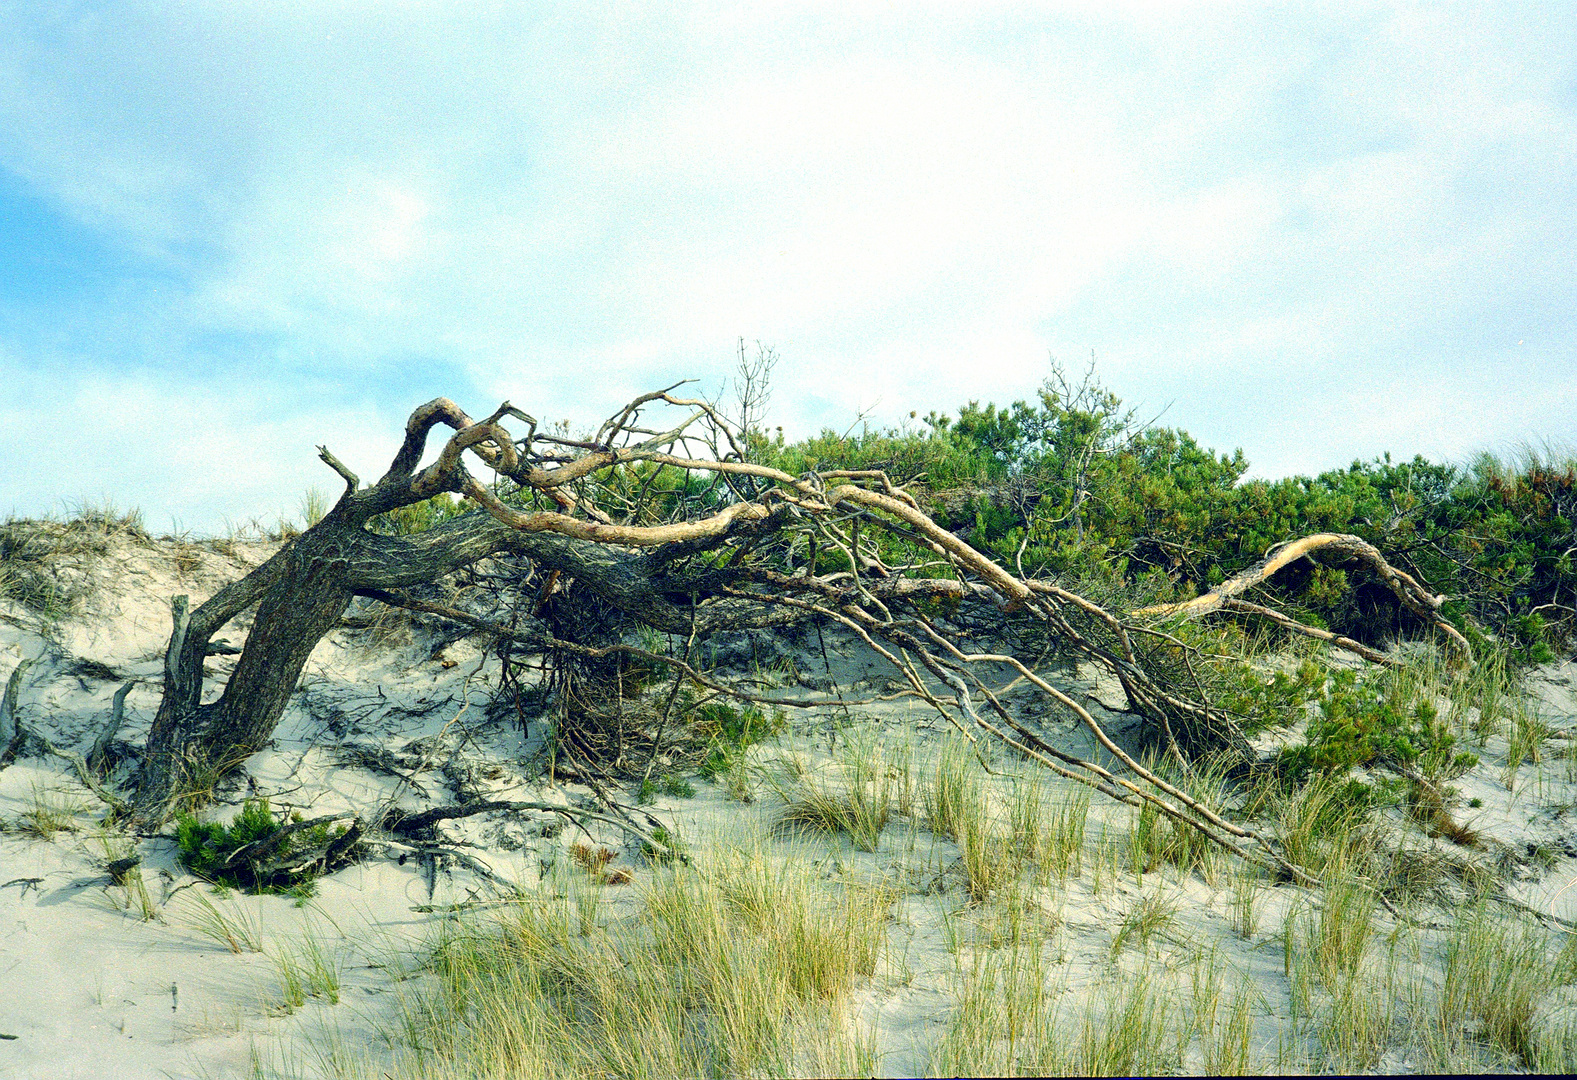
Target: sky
<point x="232" y="232"/>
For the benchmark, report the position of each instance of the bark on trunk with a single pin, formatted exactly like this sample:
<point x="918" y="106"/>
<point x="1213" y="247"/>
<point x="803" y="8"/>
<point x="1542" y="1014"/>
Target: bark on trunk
<point x="191" y="744"/>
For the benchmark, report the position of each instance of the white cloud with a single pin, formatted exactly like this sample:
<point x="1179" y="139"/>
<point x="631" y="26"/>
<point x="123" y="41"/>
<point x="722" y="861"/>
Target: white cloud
<point x="912" y="204"/>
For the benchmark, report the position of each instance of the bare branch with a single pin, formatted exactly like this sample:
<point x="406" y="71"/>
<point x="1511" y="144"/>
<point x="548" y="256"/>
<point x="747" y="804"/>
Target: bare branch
<point x="352" y="482"/>
<point x="1329" y="548"/>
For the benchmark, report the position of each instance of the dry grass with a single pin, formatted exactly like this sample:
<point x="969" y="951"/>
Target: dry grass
<point x="746" y="965"/>
<point x="232" y="925"/>
<point x="854" y="796"/>
<point x="1013" y="1021"/>
<point x="45" y="564"/>
<point x="50" y="811"/>
<point x="732" y="967"/>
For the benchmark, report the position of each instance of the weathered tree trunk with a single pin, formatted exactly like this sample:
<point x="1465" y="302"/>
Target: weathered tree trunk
<point x="191" y="744"/>
<point x="303" y="590"/>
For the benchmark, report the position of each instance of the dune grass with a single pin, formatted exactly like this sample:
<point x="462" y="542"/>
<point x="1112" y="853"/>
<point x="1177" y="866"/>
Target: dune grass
<point x="44" y="563"/>
<point x="1061" y="946"/>
<point x="48" y="811"/>
<point x="855" y="796"/>
<point x="228" y="923"/>
<point x="736" y="965"/>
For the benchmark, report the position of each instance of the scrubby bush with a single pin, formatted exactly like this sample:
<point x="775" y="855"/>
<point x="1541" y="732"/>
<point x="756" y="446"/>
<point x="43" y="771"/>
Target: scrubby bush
<point x="1069" y="486"/>
<point x="729" y="732"/>
<point x="208" y="849"/>
<point x="1359" y="724"/>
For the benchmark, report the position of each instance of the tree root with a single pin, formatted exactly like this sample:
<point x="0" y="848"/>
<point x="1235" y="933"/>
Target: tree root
<point x="410" y="824"/>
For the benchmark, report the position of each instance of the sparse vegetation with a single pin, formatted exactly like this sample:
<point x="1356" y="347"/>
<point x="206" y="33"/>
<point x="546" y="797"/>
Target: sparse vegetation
<point x="737" y="968"/>
<point x="856" y="799"/>
<point x="45" y="564"/>
<point x="50" y="811"/>
<point x="231" y="926"/>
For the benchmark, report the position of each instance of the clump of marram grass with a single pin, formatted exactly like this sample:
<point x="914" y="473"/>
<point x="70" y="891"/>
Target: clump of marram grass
<point x="50" y="811"/>
<point x="956" y="806"/>
<point x="1340" y="995"/>
<point x="1525" y="738"/>
<point x="999" y="1027"/>
<point x="1155" y="839"/>
<point x="122" y="861"/>
<point x="1012" y="1020"/>
<point x="1222" y="1027"/>
<point x="1148" y="916"/>
<point x="953" y="794"/>
<point x="855" y="796"/>
<point x="1015" y="916"/>
<point x="1343" y="931"/>
<point x="1244" y="904"/>
<point x="233" y="926"/>
<point x="1318" y="822"/>
<point x="1064" y="836"/>
<point x="731" y="968"/>
<point x="307" y="968"/>
<point x="1027" y="820"/>
<point x="989" y="860"/>
<point x="1496" y="974"/>
<point x="1490" y="690"/>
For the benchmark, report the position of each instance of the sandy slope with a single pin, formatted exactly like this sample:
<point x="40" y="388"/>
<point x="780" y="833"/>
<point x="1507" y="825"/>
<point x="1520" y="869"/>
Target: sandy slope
<point x="89" y="988"/>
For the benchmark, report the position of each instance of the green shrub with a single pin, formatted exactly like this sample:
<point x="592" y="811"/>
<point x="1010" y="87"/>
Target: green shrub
<point x="668" y="847"/>
<point x="676" y="786"/>
<point x="421" y="516"/>
<point x="206" y="847"/>
<point x="730" y="732"/>
<point x="1071" y="487"/>
<point x="1361" y="723"/>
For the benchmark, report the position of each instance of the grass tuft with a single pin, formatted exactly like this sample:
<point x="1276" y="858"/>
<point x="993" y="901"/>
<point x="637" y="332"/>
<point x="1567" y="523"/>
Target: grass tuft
<point x="855" y="797"/>
<point x="734" y="968"/>
<point x="236" y="929"/>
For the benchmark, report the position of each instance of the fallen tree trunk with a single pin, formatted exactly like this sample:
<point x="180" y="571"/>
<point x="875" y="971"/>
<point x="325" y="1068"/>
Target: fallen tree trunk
<point x="685" y="543"/>
<point x="302" y="592"/>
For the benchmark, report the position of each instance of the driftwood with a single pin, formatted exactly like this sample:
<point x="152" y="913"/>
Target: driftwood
<point x="98" y="758"/>
<point x="16" y="740"/>
<point x="274" y="858"/>
<point x="12" y="734"/>
<point x="418" y="823"/>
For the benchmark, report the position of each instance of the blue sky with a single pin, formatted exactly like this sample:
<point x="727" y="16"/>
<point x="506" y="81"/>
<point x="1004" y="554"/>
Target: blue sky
<point x="231" y="232"/>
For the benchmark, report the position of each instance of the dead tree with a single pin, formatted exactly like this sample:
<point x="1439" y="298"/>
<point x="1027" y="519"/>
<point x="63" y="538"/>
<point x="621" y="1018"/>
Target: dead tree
<point x="301" y="593"/>
<point x="672" y="527"/>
